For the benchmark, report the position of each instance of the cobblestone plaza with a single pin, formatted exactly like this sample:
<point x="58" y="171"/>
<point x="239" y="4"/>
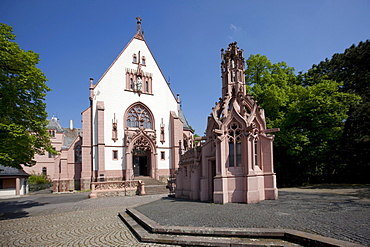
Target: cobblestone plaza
<point x="75" y="220"/>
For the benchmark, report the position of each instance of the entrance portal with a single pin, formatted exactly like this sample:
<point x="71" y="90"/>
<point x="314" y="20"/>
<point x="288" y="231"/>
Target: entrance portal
<point x="140" y="165"/>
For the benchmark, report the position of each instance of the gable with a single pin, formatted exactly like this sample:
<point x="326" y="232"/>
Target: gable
<point x="130" y="60"/>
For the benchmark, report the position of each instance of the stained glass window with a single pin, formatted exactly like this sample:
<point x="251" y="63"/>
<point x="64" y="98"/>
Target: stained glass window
<point x="137" y="117"/>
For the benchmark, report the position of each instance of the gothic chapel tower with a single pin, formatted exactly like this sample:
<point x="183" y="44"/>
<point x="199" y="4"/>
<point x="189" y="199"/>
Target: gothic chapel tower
<point x="235" y="161"/>
<point x="134" y="123"/>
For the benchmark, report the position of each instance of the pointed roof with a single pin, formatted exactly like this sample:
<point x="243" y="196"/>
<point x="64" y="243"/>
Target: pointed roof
<point x="54" y="125"/>
<point x="183" y="120"/>
<point x="140" y="36"/>
<point x="70" y="136"/>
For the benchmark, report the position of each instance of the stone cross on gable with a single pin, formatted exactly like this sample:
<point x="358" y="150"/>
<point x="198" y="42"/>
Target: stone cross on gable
<point x="138" y="23"/>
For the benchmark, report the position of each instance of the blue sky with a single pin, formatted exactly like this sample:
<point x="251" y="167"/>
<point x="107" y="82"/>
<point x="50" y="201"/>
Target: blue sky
<point x="77" y="40"/>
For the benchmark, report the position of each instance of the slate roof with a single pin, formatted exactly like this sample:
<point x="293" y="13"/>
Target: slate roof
<point x="69" y="136"/>
<point x="54" y="125"/>
<point x="11" y="171"/>
<point x="184" y="120"/>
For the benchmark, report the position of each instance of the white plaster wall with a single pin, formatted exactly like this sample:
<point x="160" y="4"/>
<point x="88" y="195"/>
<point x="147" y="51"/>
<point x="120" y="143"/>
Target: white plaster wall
<point x="111" y="90"/>
<point x="166" y="163"/>
<point x="7" y="192"/>
<point x="24" y="187"/>
<point x="111" y="164"/>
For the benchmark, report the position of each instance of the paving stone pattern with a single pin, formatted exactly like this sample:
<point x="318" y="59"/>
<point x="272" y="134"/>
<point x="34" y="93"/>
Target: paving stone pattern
<point x="75" y="220"/>
<point x="67" y="220"/>
<point x="331" y="215"/>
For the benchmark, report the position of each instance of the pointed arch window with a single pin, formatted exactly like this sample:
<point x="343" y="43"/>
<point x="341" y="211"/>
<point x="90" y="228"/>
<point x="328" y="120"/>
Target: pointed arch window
<point x="139" y="117"/>
<point x="235" y="145"/>
<point x="255" y="149"/>
<point x="78" y="154"/>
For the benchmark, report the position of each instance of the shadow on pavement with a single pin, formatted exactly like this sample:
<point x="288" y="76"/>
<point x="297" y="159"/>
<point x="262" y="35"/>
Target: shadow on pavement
<point x="15" y="209"/>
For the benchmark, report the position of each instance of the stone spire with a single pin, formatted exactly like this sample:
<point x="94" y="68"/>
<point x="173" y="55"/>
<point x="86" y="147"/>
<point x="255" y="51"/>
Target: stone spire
<point x="139" y="34"/>
<point x="232" y="69"/>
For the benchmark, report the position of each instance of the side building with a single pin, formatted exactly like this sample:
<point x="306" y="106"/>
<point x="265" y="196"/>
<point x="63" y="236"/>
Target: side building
<point x="63" y="169"/>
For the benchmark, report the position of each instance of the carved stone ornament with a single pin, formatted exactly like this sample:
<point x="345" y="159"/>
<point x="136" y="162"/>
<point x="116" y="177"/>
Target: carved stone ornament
<point x="141" y="144"/>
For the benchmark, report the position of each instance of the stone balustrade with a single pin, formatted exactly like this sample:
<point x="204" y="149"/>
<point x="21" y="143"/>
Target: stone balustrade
<point x="125" y="188"/>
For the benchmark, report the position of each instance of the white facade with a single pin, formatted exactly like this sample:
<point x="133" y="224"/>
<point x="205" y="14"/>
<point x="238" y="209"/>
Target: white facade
<point x="121" y="141"/>
<point x="111" y="89"/>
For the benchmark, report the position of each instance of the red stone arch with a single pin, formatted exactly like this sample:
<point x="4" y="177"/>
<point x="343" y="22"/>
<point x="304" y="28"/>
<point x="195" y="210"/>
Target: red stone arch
<point x="141" y="146"/>
<point x="140" y="141"/>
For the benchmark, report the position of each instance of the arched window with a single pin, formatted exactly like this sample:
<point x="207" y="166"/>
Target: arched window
<point x="44" y="171"/>
<point x="139" y="116"/>
<point x="134" y="58"/>
<point x="235" y="145"/>
<point x="143" y="60"/>
<point x="78" y="154"/>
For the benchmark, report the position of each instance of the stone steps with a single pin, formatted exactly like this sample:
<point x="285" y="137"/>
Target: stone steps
<point x="147" y="230"/>
<point x="153" y="186"/>
<point x="150" y="232"/>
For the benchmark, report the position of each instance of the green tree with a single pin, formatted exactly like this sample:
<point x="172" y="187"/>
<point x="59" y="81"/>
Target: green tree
<point x="270" y="84"/>
<point x="352" y="68"/>
<point x="23" y="122"/>
<point x="309" y="113"/>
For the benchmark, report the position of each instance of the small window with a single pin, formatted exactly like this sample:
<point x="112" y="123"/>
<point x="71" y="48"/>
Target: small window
<point x="143" y="60"/>
<point x="147" y="86"/>
<point x="131" y="84"/>
<point x="115" y="155"/>
<point x="51" y="155"/>
<point x="44" y="171"/>
<point x="52" y="133"/>
<point x="163" y="155"/>
<point x="134" y="58"/>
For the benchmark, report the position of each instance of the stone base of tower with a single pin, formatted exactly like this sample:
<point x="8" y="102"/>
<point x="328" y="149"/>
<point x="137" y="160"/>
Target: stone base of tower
<point x="64" y="185"/>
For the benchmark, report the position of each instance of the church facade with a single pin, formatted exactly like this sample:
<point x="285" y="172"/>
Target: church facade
<point x="134" y="123"/>
<point x="234" y="160"/>
<point x="133" y="126"/>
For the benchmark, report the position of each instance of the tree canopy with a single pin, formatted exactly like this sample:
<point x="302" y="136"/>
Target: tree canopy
<point x="310" y="113"/>
<point x="352" y="68"/>
<point x="23" y="88"/>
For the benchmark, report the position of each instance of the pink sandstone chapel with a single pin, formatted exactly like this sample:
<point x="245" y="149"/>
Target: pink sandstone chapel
<point x="134" y="127"/>
<point x="234" y="162"/>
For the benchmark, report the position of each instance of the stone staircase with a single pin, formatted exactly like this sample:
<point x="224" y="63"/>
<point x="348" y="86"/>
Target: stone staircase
<point x="153" y="186"/>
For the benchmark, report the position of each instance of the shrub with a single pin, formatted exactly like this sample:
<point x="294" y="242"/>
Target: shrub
<point x="38" y="179"/>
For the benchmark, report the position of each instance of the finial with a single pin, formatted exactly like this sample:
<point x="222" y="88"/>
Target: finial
<point x="138" y="23"/>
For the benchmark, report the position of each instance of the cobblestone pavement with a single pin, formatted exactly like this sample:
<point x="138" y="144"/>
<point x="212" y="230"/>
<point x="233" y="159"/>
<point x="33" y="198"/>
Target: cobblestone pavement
<point x="67" y="220"/>
<point x="75" y="220"/>
<point x="328" y="214"/>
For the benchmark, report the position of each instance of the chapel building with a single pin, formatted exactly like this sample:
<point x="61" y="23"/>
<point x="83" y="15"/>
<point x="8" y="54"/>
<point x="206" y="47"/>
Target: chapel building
<point x="133" y="126"/>
<point x="234" y="161"/>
